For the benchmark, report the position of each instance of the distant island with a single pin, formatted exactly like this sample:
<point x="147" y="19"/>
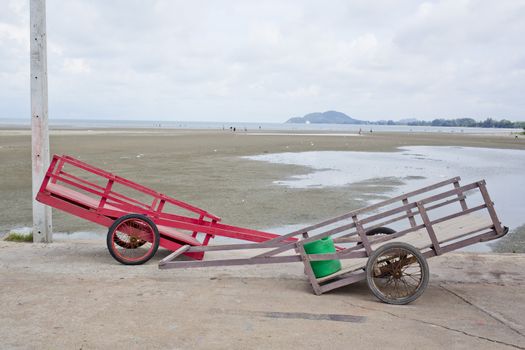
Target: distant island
<point x="334" y="117"/>
<point x="328" y="117"/>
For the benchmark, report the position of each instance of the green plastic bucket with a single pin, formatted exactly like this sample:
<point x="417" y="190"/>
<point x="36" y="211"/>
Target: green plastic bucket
<point x="325" y="267"/>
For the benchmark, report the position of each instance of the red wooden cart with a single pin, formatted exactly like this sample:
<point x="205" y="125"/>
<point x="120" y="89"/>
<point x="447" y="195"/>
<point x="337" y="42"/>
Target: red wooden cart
<point x="432" y="220"/>
<point x="139" y="218"/>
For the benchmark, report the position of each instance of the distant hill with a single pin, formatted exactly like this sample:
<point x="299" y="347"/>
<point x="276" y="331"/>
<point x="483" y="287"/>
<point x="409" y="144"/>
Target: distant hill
<point x="328" y="117"/>
<point x="334" y="117"/>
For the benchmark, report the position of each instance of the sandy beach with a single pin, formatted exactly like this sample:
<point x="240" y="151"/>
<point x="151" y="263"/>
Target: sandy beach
<point x="205" y="168"/>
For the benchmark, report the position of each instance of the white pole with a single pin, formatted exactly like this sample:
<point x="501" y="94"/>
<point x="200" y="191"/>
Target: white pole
<point x="42" y="229"/>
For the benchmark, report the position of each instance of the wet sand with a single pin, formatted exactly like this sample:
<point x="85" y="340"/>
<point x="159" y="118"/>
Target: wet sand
<point x="205" y="168"/>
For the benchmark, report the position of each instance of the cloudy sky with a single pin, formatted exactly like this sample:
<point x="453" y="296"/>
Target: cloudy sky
<point x="270" y="60"/>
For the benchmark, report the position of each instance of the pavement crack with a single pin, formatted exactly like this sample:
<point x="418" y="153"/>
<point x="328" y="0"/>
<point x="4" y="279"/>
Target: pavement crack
<point x="486" y="312"/>
<point x="439" y="326"/>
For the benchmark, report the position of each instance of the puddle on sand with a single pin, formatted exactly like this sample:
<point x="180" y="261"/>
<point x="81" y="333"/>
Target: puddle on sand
<point x="417" y="166"/>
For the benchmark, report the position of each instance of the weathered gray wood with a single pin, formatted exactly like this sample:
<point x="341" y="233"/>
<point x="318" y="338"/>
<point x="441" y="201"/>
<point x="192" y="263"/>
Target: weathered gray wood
<point x="173" y="255"/>
<point x="353" y="213"/>
<point x="409" y="194"/>
<point x="411" y="218"/>
<point x="388" y="213"/>
<point x="460" y="213"/>
<point x="396" y="235"/>
<point x="450" y="193"/>
<point x="462" y="201"/>
<point x="399" y="218"/>
<point x="362" y="234"/>
<point x="390" y="221"/>
<point x="327" y="233"/>
<point x="450" y="231"/>
<point x="42" y="223"/>
<point x="349" y="253"/>
<point x="347" y="239"/>
<point x="428" y="226"/>
<point x="471" y="240"/>
<point x="418" y="227"/>
<point x="367" y="209"/>
<point x="413" y="205"/>
<point x="308" y="270"/>
<point x="447" y="202"/>
<point x="279" y="250"/>
<point x="344" y="272"/>
<point x="354" y="277"/>
<point x="466" y="234"/>
<point x="490" y="207"/>
<point x="231" y="262"/>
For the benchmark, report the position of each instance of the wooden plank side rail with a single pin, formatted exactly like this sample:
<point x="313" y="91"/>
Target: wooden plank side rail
<point x="369" y="208"/>
<point x="135" y="186"/>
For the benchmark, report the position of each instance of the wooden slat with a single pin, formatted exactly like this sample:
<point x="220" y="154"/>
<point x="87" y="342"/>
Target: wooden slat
<point x="308" y="269"/>
<point x="410" y="215"/>
<point x="173" y="255"/>
<point x="462" y="201"/>
<point x="343" y="279"/>
<point x="429" y="228"/>
<point x="490" y="207"/>
<point x="232" y="262"/>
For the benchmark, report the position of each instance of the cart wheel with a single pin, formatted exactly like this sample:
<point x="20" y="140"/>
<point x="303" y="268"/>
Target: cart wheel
<point x="397" y="273"/>
<point x="133" y="239"/>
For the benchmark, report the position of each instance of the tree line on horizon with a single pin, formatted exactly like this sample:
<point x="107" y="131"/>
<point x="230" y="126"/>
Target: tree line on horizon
<point x="459" y="122"/>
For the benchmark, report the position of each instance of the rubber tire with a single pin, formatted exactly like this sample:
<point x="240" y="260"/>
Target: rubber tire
<point x="380" y="230"/>
<point x="424" y="271"/>
<point x="117" y="222"/>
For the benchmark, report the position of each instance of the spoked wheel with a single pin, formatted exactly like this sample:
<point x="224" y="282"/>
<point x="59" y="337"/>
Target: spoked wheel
<point x="133" y="239"/>
<point x="397" y="273"/>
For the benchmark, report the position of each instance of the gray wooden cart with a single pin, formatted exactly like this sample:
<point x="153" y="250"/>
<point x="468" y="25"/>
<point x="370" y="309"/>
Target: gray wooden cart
<point x="429" y="222"/>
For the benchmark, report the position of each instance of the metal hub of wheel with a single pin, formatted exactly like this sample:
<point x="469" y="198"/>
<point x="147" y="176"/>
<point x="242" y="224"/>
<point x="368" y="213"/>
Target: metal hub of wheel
<point x="397" y="274"/>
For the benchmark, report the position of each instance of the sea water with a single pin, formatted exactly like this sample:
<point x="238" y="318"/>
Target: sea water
<point x="248" y="126"/>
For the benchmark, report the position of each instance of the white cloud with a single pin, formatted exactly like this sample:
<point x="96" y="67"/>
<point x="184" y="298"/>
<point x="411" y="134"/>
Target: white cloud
<point x="269" y="60"/>
<point x="76" y="66"/>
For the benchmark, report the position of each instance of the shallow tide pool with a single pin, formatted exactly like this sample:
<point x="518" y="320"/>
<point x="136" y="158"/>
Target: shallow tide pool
<point x="417" y="166"/>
